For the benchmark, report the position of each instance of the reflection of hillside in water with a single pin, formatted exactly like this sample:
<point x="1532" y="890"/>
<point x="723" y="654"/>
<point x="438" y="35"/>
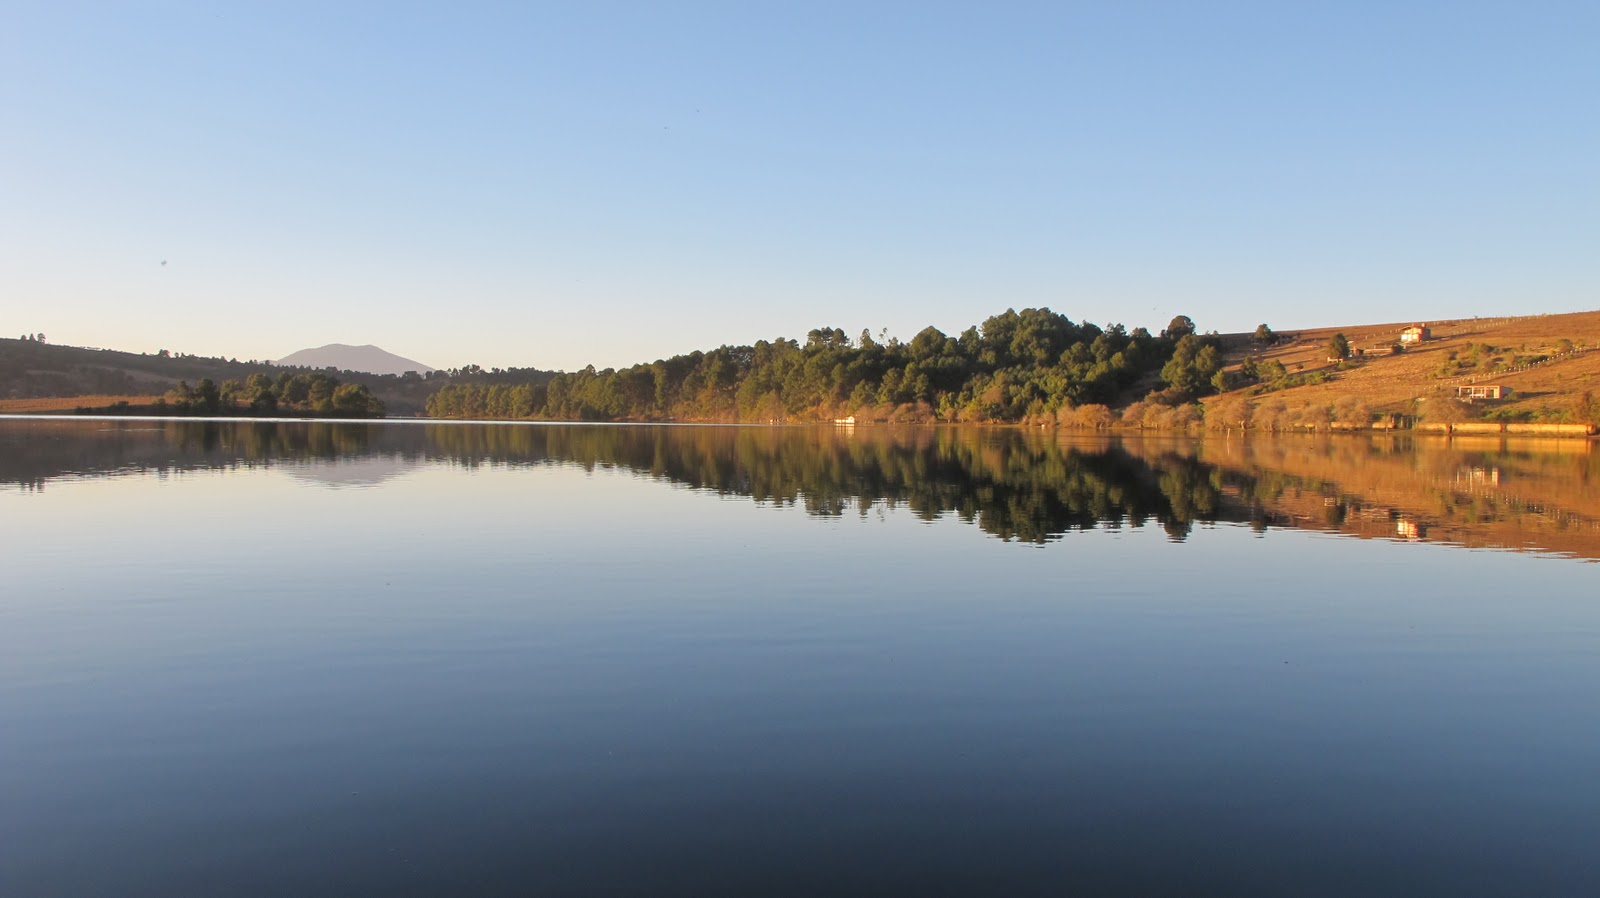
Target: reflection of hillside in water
<point x="1510" y="493"/>
<point x="34" y="451"/>
<point x="350" y="473"/>
<point x="1024" y="485"/>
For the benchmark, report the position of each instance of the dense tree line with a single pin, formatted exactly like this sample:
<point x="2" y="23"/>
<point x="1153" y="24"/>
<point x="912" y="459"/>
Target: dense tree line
<point x="305" y="393"/>
<point x="1016" y="366"/>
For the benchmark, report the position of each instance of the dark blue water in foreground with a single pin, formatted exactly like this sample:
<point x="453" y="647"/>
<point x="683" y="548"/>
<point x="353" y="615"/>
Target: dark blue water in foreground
<point x="403" y="660"/>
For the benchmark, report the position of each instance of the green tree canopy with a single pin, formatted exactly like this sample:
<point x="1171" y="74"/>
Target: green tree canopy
<point x="1179" y="327"/>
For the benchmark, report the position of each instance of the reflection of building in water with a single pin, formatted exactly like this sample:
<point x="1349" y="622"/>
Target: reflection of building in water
<point x="1479" y="475"/>
<point x="1409" y="528"/>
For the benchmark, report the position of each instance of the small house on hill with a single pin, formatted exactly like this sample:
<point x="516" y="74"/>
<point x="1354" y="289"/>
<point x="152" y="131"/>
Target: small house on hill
<point x="1416" y="333"/>
<point x="1471" y="392"/>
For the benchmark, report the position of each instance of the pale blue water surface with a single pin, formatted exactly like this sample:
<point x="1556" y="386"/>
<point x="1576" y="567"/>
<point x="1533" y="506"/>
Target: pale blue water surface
<point x="406" y="659"/>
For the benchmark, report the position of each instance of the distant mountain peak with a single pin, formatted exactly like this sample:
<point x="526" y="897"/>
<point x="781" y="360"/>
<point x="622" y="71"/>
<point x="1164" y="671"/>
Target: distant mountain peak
<point x="368" y="358"/>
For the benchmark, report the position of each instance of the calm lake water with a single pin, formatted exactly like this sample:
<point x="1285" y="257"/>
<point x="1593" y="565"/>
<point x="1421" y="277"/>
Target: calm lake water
<point x="428" y="659"/>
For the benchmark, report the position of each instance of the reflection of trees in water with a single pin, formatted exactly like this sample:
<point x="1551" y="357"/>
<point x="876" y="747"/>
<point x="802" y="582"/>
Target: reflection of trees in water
<point x="1024" y="485"/>
<point x="41" y="450"/>
<point x="1005" y="481"/>
<point x="267" y="441"/>
<point x="1017" y="484"/>
<point x="1011" y="483"/>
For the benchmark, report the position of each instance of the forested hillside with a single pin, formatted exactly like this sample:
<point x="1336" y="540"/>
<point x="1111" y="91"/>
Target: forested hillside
<point x="1014" y="366"/>
<point x="31" y="367"/>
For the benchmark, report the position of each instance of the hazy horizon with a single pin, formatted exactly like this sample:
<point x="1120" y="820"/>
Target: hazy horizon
<point x="559" y="188"/>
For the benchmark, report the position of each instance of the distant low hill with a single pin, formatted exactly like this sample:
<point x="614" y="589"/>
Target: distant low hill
<point x="32" y="372"/>
<point x="369" y="358"/>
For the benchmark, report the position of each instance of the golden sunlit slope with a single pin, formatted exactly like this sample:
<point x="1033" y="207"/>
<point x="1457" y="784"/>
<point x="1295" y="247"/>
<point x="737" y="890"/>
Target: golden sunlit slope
<point x="1485" y="350"/>
<point x="71" y="403"/>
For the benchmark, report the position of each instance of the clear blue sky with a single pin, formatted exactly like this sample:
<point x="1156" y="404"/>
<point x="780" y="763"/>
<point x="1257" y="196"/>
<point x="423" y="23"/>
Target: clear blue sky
<point x="610" y="182"/>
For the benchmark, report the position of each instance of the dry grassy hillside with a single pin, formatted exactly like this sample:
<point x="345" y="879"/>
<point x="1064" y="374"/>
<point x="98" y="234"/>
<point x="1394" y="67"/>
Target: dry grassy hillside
<point x="44" y="377"/>
<point x="58" y="404"/>
<point x="1485" y="350"/>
